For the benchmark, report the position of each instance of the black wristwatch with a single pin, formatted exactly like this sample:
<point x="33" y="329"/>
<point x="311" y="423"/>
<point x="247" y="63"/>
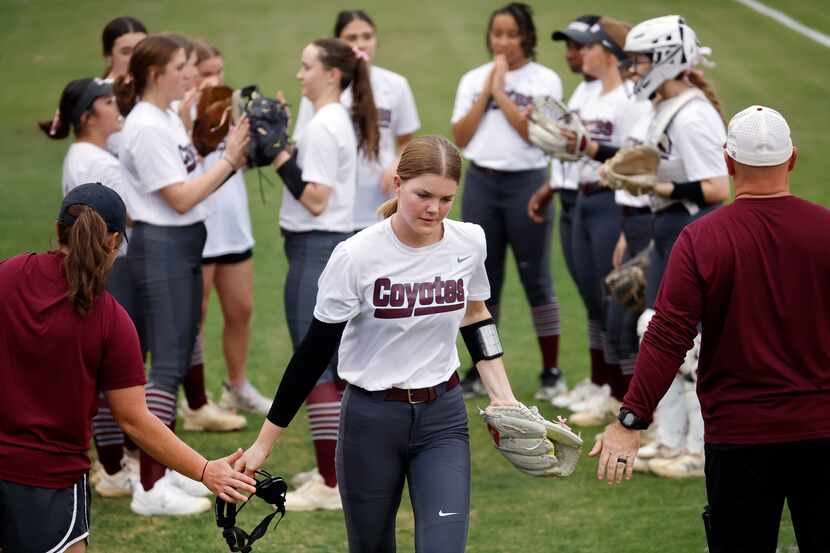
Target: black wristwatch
<point x="631" y="421"/>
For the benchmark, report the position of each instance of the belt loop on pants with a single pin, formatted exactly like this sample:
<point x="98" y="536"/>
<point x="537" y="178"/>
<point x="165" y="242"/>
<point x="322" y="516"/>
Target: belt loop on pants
<point x="414" y="396"/>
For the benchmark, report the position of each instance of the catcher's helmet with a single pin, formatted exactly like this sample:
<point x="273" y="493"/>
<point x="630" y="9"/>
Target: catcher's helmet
<point x="672" y="45"/>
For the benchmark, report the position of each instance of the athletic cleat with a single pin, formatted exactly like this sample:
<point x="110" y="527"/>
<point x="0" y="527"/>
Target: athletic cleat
<point x="552" y="386"/>
<point x="593" y="397"/>
<point x="246" y="398"/>
<point x="119" y="484"/>
<point x="188" y="486"/>
<point x="690" y="465"/>
<point x="95" y="472"/>
<point x="211" y="418"/>
<point x="302" y="477"/>
<point x="657" y="450"/>
<point x="600" y="413"/>
<point x="471" y="386"/>
<point x="580" y="392"/>
<point x="314" y="495"/>
<point x="165" y="499"/>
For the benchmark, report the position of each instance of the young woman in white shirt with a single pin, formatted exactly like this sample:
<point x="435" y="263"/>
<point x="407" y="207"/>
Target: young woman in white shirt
<point x="88" y="109"/>
<point x="506" y="169"/>
<point x="165" y="199"/>
<point x="397" y="117"/>
<point x="317" y="213"/>
<point x="403" y="415"/>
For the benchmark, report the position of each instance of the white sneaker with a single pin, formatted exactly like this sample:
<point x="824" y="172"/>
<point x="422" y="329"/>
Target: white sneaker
<point x="119" y="484"/>
<point x="132" y="463"/>
<point x="165" y="499"/>
<point x="211" y="418"/>
<point x="549" y="393"/>
<point x="595" y="397"/>
<point x="312" y="496"/>
<point x="655" y="450"/>
<point x="245" y="398"/>
<point x="185" y="484"/>
<point x="690" y="465"/>
<point x="600" y="414"/>
<point x="95" y="472"/>
<point x="580" y="392"/>
<point x="302" y="477"/>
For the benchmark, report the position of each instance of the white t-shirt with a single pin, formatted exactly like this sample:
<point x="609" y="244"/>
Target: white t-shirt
<point x="403" y="305"/>
<point x="496" y="144"/>
<point x="327" y="154"/>
<point x="565" y="174"/>
<point x="634" y="124"/>
<point x="603" y="119"/>
<point x="156" y="152"/>
<point x="397" y="115"/>
<point x="229" y="221"/>
<point x="84" y="163"/>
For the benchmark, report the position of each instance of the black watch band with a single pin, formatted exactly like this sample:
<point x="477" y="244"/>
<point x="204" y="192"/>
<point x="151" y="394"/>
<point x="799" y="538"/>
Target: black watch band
<point x="630" y="420"/>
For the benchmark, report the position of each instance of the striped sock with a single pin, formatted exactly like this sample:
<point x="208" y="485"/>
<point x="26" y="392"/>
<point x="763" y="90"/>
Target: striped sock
<point x="546" y="324"/>
<point x="163" y="405"/>
<point x="109" y="438"/>
<point x="323" y="406"/>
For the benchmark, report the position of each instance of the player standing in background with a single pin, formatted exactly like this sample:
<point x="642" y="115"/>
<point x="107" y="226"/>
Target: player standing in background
<point x="65" y="339"/>
<point x="397" y="117"/>
<point x="688" y="130"/>
<point x="166" y="246"/>
<point x="227" y="261"/>
<point x="317" y="213"/>
<point x="504" y="172"/>
<point x="564" y="181"/>
<point x="404" y="418"/>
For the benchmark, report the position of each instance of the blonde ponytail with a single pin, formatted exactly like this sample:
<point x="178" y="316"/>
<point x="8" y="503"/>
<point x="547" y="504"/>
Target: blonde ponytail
<point x="388" y="208"/>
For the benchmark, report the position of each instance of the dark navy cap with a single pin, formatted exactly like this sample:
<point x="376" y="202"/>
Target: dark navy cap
<point x="578" y="30"/>
<point x="597" y="35"/>
<point x="105" y="201"/>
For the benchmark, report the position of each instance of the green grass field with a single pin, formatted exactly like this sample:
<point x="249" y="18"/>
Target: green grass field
<point x="45" y="44"/>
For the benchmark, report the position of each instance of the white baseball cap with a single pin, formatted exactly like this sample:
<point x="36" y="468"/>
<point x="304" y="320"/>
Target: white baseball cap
<point x="759" y="136"/>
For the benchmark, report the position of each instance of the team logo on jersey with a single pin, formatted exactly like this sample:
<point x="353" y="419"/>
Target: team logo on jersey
<point x="188" y="154"/>
<point x="599" y="129"/>
<point x="384" y="118"/>
<point x="521" y="100"/>
<point x="399" y="300"/>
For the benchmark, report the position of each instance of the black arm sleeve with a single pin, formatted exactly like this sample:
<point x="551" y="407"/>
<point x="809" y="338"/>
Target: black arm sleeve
<point x="306" y="365"/>
<point x="292" y="176"/>
<point x="605" y="152"/>
<point x="689" y="191"/>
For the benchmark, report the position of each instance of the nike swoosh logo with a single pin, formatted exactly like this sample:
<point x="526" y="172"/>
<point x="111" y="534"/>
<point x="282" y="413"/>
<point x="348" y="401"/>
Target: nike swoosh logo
<point x="463" y="259"/>
<point x="443" y="514"/>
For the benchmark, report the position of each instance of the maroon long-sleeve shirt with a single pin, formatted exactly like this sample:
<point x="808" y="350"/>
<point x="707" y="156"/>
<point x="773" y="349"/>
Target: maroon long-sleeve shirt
<point x="756" y="274"/>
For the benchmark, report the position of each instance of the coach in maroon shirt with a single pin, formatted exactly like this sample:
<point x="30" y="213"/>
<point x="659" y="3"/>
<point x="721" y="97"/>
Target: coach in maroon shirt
<point x="756" y="276"/>
<point x="63" y="338"/>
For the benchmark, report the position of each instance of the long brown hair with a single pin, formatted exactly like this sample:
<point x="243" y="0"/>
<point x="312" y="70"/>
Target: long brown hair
<point x="697" y="79"/>
<point x="425" y="155"/>
<point x="154" y="51"/>
<point x="336" y="53"/>
<point x="89" y="259"/>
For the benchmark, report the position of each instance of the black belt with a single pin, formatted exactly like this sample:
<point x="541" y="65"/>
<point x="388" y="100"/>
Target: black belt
<point x="591" y="188"/>
<point x="629" y="211"/>
<point x="414" y="395"/>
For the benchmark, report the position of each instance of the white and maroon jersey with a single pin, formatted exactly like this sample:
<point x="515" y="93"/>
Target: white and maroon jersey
<point x="496" y="144"/>
<point x="564" y="175"/>
<point x="403" y="305"/>
<point x="634" y="125"/>
<point x="397" y="115"/>
<point x="156" y="152"/>
<point x="602" y="116"/>
<point x="327" y="155"/>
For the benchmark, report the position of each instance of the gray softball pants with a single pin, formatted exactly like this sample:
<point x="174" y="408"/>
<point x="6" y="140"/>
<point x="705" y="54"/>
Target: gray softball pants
<point x="383" y="443"/>
<point x="497" y="200"/>
<point x="567" y="203"/>
<point x="166" y="265"/>
<point x="307" y="253"/>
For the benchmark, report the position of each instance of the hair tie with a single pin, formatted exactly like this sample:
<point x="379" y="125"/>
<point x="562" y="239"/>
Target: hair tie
<point x="360" y="54"/>
<point x="56" y="121"/>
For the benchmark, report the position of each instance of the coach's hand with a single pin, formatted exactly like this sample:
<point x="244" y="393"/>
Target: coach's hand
<point x="538" y="204"/>
<point x="617" y="449"/>
<point x="225" y="482"/>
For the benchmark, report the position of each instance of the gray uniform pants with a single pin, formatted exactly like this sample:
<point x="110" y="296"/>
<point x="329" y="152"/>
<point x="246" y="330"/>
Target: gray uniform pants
<point x="307" y="253"/>
<point x="166" y="265"/>
<point x="381" y="444"/>
<point x="567" y="203"/>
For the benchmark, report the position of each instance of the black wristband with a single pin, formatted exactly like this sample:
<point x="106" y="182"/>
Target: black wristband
<point x="605" y="152"/>
<point x="292" y="176"/>
<point x="630" y="420"/>
<point x="482" y="340"/>
<point x="307" y="364"/>
<point x="688" y="191"/>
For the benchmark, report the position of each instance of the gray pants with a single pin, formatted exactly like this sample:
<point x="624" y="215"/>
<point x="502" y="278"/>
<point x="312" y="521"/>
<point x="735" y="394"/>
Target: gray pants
<point x="166" y="266"/>
<point x="498" y="202"/>
<point x="622" y="322"/>
<point x="567" y="203"/>
<point x="123" y="288"/>
<point x="381" y="444"/>
<point x="307" y="253"/>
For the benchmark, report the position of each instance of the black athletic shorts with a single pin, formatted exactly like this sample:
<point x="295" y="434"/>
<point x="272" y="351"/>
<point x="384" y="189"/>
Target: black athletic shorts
<point x="228" y="258"/>
<point x="37" y="520"/>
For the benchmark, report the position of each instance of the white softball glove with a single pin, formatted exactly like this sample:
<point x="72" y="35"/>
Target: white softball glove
<point x="546" y="123"/>
<point x="532" y="444"/>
